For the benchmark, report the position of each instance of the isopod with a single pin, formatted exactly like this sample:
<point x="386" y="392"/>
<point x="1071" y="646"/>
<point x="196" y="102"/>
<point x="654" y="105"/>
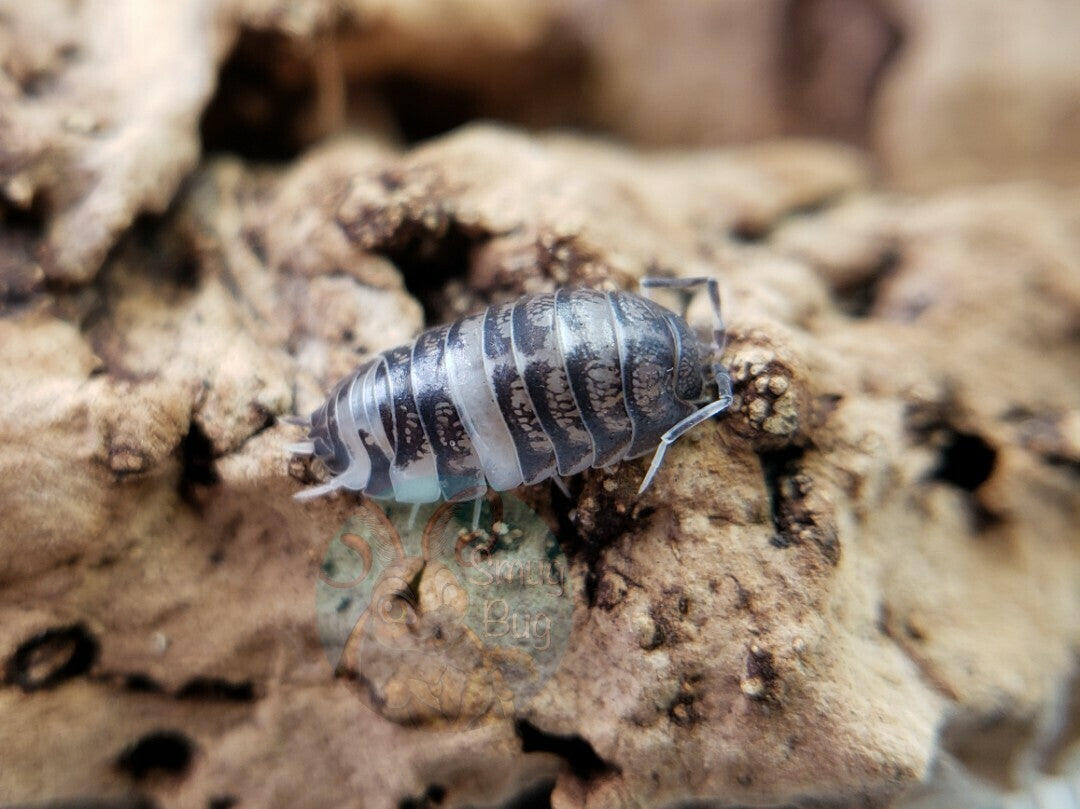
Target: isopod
<point x="543" y="387"/>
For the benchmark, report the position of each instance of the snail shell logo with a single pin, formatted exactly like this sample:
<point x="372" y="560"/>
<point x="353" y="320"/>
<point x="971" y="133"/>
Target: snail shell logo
<point x="437" y="624"/>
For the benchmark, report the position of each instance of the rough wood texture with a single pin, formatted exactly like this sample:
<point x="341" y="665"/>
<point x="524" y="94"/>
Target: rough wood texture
<point x="870" y="562"/>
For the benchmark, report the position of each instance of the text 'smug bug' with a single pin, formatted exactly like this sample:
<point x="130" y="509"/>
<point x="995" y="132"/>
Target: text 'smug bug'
<point x="543" y="387"/>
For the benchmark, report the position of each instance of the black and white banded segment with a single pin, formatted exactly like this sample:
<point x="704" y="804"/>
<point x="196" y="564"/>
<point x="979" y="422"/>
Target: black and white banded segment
<point x="543" y="387"/>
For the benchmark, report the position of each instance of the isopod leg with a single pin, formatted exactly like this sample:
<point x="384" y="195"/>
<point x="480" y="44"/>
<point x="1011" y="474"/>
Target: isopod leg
<point x="561" y="483"/>
<point x="318" y="491"/>
<point x="673" y="435"/>
<point x="719" y="329"/>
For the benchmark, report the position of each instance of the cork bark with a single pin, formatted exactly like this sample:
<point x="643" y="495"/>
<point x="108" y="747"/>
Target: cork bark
<point x="867" y="566"/>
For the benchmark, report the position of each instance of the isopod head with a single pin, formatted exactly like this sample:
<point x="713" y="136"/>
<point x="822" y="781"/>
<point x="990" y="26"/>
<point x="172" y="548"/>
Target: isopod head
<point x="331" y="425"/>
<point x="689" y="377"/>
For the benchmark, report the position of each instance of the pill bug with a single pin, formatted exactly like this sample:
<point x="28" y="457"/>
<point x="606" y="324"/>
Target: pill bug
<point x="540" y="388"/>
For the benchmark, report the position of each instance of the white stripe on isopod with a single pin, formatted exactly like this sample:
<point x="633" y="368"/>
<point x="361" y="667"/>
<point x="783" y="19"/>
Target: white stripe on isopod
<point x="477" y="407"/>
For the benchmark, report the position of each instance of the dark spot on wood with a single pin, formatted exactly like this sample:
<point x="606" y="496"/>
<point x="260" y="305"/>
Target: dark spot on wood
<point x="780" y="541"/>
<point x="433" y="796"/>
<point x="609" y="590"/>
<point x="913" y="632"/>
<point x="579" y="755"/>
<point x="141" y="683"/>
<point x="22" y="230"/>
<point x="256" y="243"/>
<point x="391" y="179"/>
<point x="746" y="231"/>
<point x="126" y="460"/>
<point x="667" y="614"/>
<point x="51" y="657"/>
<point x="857" y="299"/>
<point x="166" y="255"/>
<point x="168" y="752"/>
<point x="429" y="261"/>
<point x="742" y="598"/>
<point x="824" y="406"/>
<point x="197" y="462"/>
<point x="684" y="710"/>
<point x="216" y="689"/>
<point x="266" y="100"/>
<point x="966" y="461"/>
<point x="760" y="667"/>
<point x="796" y="520"/>
<point x="426" y="108"/>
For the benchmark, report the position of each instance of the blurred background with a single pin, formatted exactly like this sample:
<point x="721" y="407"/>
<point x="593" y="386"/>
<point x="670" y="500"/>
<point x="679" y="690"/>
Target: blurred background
<point x="940" y="93"/>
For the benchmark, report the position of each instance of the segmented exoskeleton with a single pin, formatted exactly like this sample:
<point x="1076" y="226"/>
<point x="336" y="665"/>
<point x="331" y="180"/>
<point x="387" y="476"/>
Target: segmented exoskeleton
<point x="543" y="387"/>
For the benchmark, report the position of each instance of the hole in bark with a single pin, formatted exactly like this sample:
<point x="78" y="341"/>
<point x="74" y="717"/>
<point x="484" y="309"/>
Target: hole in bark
<point x="264" y="107"/>
<point x="222" y="802"/>
<point x="428" y="264"/>
<point x="51" y="657"/>
<point x="164" y="751"/>
<point x="538" y="88"/>
<point x="425" y="109"/>
<point x="1063" y="462"/>
<point x="776" y="466"/>
<point x="967" y="461"/>
<point x="197" y="458"/>
<point x="28" y="221"/>
<point x="434" y="795"/>
<point x="586" y="545"/>
<point x="858" y="299"/>
<point x="21" y="231"/>
<point x="579" y="755"/>
<point x="142" y="684"/>
<point x="747" y="232"/>
<point x="164" y="255"/>
<point x="215" y="688"/>
<point x="592" y="577"/>
<point x="798" y="517"/>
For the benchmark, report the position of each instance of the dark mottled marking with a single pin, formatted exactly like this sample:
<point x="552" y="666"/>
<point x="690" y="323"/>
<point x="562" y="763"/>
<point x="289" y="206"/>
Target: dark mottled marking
<point x="383" y="399"/>
<point x="410" y="442"/>
<point x="379" y="484"/>
<point x="591" y="357"/>
<point x="647" y="353"/>
<point x="539" y="362"/>
<point x="689" y="380"/>
<point x="535" y="453"/>
<point x="458" y="467"/>
<point x="338" y="461"/>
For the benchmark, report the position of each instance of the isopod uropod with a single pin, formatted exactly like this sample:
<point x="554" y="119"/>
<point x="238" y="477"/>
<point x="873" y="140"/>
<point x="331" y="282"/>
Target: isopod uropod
<point x="542" y="387"/>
